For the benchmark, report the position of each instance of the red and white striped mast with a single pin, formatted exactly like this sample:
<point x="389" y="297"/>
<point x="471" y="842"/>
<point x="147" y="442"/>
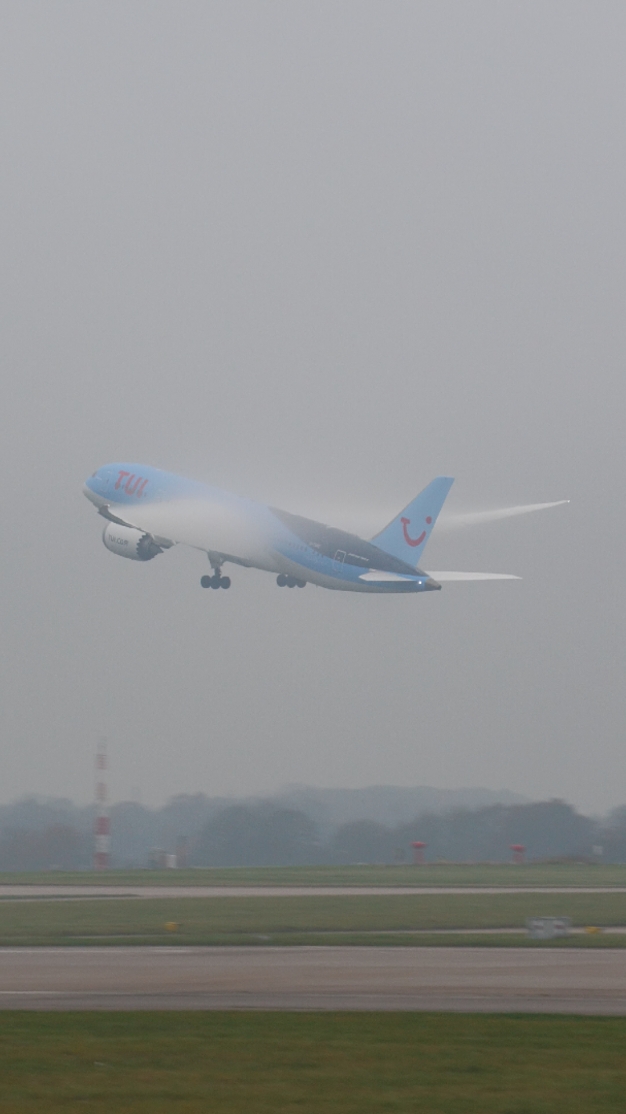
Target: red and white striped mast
<point x="102" y="824"/>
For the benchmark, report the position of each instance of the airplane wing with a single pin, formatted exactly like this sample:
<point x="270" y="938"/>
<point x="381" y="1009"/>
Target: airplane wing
<point x="441" y="576"/>
<point x="379" y="577"/>
<point x="164" y="543"/>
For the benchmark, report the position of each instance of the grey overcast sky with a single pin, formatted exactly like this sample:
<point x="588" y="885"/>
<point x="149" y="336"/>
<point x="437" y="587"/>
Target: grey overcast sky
<point x="315" y="253"/>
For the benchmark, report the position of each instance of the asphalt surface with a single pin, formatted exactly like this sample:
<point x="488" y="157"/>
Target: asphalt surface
<point x="61" y="892"/>
<point x="319" y="978"/>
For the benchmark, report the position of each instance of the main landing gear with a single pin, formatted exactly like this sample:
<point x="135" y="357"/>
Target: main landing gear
<point x="285" y="581"/>
<point x="215" y="581"/>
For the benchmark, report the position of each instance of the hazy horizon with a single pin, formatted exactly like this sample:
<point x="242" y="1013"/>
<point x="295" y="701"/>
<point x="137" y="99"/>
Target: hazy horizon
<point x="136" y="796"/>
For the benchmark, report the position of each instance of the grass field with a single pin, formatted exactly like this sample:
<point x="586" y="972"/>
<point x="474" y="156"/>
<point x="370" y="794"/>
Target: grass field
<point x="297" y="919"/>
<point x="435" y="874"/>
<point x="341" y="1063"/>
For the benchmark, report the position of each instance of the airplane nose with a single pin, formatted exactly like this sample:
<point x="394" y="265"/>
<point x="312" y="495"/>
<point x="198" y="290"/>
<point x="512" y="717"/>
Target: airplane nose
<point x="93" y="490"/>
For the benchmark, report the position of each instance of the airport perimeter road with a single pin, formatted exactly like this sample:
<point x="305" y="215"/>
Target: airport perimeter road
<point x="319" y="978"/>
<point x="61" y="892"/>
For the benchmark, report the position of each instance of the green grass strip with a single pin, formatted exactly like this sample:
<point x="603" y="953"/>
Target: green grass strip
<point x="432" y="874"/>
<point x="296" y="919"/>
<point x="290" y="1063"/>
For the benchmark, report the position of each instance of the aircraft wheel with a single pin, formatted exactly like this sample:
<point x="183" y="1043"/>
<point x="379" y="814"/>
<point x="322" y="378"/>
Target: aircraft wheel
<point x="205" y="581"/>
<point x="300" y="583"/>
<point x="225" y="582"/>
<point x="215" y="581"/>
<point x="281" y="580"/>
<point x="291" y="582"/>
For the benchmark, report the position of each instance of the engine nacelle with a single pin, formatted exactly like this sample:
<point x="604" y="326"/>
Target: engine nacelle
<point x="128" y="542"/>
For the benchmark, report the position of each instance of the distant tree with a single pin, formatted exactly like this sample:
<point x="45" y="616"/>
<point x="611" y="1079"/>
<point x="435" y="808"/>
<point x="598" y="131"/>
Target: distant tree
<point x="612" y="838"/>
<point x="37" y="813"/>
<point x="134" y="830"/>
<point x="363" y="841"/>
<point x="260" y="835"/>
<point x="57" y="846"/>
<point x="548" y="829"/>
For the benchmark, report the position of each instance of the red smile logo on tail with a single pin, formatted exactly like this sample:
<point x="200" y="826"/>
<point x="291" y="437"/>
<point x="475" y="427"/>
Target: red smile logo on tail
<point x="408" y="539"/>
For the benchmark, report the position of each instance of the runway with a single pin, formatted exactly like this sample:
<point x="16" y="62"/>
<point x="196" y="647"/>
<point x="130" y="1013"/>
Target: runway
<point x="315" y="978"/>
<point x="26" y="891"/>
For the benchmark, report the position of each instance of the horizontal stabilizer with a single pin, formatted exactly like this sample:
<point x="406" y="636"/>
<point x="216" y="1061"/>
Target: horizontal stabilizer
<point x="441" y="576"/>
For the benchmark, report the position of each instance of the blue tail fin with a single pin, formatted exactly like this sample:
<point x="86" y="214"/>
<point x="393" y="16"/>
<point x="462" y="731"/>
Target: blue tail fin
<point x="408" y="534"/>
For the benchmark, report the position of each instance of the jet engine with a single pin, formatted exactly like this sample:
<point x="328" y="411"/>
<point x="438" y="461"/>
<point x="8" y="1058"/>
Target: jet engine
<point x="128" y="542"/>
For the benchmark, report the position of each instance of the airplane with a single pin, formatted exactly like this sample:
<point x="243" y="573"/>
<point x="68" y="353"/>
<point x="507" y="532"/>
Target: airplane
<point x="148" y="511"/>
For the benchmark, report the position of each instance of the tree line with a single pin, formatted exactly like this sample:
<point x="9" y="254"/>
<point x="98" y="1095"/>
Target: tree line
<point x="41" y="836"/>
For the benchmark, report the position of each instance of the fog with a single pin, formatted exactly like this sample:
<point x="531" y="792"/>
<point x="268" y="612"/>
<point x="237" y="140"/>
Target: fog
<point x="315" y="254"/>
